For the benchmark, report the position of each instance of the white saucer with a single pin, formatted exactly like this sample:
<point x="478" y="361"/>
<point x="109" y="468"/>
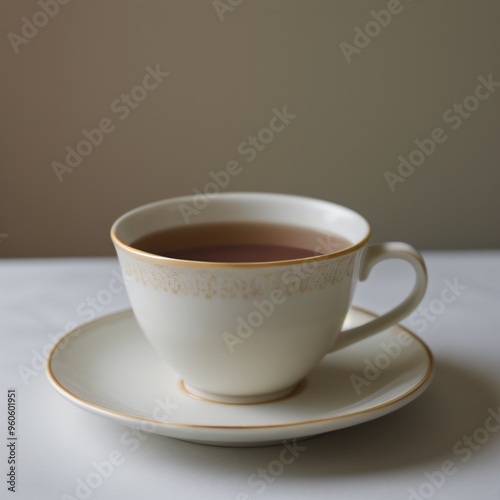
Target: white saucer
<point x="108" y="367"/>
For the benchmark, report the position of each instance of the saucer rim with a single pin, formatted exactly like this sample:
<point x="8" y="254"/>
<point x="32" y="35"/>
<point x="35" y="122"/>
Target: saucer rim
<point x="416" y="390"/>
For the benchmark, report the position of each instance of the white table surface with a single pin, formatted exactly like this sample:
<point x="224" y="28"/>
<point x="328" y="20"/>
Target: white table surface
<point x="386" y="458"/>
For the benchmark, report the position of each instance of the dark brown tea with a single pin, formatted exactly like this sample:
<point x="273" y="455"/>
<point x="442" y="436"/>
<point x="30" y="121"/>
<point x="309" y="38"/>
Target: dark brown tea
<point x="240" y="242"/>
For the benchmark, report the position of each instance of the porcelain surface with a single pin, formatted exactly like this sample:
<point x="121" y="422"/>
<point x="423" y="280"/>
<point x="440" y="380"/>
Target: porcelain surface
<point x="282" y="316"/>
<point x="107" y="367"/>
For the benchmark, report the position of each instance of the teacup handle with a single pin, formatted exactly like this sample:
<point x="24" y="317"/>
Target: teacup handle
<point x="373" y="255"/>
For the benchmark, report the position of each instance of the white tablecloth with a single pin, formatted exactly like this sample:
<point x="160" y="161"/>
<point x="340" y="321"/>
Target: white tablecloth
<point x="446" y="444"/>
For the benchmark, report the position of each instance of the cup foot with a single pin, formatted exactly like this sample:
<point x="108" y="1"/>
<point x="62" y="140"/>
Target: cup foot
<point x="237" y="400"/>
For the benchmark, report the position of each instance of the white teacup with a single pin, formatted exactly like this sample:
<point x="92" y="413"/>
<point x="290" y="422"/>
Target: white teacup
<point x="249" y="332"/>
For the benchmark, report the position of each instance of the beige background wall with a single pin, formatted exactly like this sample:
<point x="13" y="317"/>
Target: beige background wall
<point x="225" y="77"/>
